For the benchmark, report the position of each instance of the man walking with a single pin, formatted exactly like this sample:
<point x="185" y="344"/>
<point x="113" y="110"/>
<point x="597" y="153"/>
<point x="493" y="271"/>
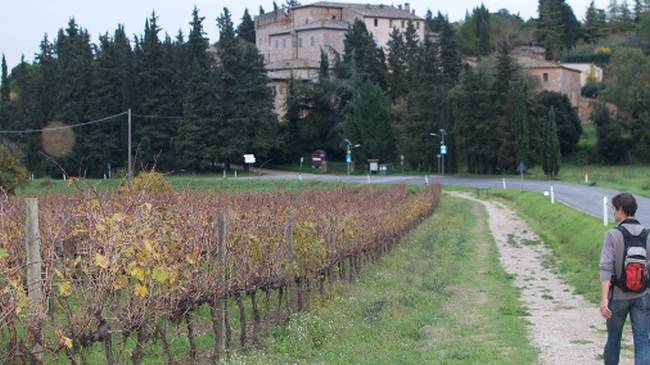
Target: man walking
<point x="624" y="282"/>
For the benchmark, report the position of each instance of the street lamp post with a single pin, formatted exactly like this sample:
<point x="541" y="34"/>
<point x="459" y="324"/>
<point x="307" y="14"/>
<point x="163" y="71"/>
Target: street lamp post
<point x="348" y="154"/>
<point x="443" y="149"/>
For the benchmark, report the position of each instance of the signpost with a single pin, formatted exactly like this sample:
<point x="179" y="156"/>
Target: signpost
<point x="443" y="152"/>
<point x="249" y="159"/>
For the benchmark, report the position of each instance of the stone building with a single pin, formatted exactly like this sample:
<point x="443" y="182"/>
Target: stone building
<point x="553" y="76"/>
<point x="291" y="39"/>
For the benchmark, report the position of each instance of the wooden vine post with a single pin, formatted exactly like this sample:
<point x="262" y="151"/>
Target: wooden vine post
<point x="34" y="280"/>
<point x="219" y="303"/>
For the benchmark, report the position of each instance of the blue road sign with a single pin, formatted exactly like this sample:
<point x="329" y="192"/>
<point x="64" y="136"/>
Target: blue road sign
<point x="348" y="158"/>
<point x="443" y="149"/>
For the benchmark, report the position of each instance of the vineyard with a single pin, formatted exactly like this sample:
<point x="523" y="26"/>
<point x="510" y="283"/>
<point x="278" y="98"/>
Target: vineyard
<point x="119" y="269"/>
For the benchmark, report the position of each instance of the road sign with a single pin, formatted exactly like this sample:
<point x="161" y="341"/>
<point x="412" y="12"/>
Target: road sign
<point x="249" y="158"/>
<point x="443" y="149"/>
<point x="348" y="158"/>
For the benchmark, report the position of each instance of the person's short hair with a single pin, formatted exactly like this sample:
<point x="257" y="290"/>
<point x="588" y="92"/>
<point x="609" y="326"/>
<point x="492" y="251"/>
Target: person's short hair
<point x="626" y="203"/>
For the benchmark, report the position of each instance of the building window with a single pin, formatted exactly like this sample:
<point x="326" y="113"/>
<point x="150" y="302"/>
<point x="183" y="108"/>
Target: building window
<point x="274" y="91"/>
<point x="300" y="42"/>
<point x="402" y="24"/>
<point x="376" y="22"/>
<point x="312" y="41"/>
<point x="326" y="41"/>
<point x="390" y="23"/>
<point x="333" y="17"/>
<point x="306" y="21"/>
<point x="284" y="43"/>
<point x="417" y="25"/>
<point x="545" y="77"/>
<point x="277" y="42"/>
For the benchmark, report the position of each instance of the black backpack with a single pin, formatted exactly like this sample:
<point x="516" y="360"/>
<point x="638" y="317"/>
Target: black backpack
<point x="634" y="273"/>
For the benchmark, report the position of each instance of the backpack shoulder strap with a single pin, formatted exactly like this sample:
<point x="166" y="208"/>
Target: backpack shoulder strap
<point x="626" y="234"/>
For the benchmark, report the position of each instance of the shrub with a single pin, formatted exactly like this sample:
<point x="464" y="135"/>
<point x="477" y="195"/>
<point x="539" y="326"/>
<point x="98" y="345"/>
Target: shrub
<point x="151" y="182"/>
<point x="12" y="173"/>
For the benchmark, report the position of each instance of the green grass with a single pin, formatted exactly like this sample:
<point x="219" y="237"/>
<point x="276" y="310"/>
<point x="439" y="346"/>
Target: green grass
<point x="417" y="306"/>
<point x="574" y="237"/>
<point x="178" y="182"/>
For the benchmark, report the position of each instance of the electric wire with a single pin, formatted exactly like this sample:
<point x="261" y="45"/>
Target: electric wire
<point x="96" y="121"/>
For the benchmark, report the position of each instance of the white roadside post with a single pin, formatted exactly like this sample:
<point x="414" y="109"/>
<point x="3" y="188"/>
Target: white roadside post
<point x="552" y="195"/>
<point x="426" y="180"/>
<point x="368" y="178"/>
<point x="503" y="181"/>
<point x="587" y="179"/>
<point x="605" y="216"/>
<point x="235" y="172"/>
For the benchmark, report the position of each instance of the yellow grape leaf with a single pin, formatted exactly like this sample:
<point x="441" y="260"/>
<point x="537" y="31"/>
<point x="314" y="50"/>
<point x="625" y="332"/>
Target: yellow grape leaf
<point x="100" y="228"/>
<point x="160" y="275"/>
<point x="137" y="273"/>
<point x="121" y="282"/>
<point x="101" y="261"/>
<point x="65" y="288"/>
<point x="77" y="261"/>
<point x="141" y="290"/>
<point x="148" y="248"/>
<point x="3" y="253"/>
<point x="70" y="182"/>
<point x="63" y="340"/>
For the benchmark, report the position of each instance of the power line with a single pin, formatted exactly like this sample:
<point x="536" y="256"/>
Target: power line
<point x="29" y="131"/>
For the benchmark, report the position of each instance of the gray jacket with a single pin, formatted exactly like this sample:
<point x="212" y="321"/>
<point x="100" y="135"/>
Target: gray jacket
<point x="611" y="258"/>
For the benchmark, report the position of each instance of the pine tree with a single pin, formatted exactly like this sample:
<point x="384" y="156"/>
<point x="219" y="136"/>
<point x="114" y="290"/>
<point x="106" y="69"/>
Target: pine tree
<point x="154" y="66"/>
<point x="422" y="113"/>
<point x="4" y="82"/>
<point x="295" y="105"/>
<point x="557" y="26"/>
<point x="396" y="65"/>
<point x="242" y="80"/>
<point x="595" y="23"/>
<point x="362" y="54"/>
<point x="482" y="22"/>
<point x="261" y="10"/>
<point x="475" y="123"/>
<point x="246" y="29"/>
<point x="551" y="152"/>
<point x="411" y="44"/>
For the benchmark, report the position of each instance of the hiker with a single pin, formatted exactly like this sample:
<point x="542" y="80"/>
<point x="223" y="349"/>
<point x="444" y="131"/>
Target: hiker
<point x="624" y="282"/>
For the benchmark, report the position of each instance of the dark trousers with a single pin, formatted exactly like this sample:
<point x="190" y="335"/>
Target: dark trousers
<point x="639" y="310"/>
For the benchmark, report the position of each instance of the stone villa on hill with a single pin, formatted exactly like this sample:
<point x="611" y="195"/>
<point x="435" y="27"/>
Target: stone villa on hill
<point x="291" y="39"/>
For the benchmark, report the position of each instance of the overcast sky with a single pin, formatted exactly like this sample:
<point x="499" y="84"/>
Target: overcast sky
<point x="23" y="22"/>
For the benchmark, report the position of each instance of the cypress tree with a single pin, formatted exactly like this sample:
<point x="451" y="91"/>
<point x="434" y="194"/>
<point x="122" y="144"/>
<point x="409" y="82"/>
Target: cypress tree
<point x="4" y="82"/>
<point x="520" y="123"/>
<point x="482" y="21"/>
<point x="504" y="110"/>
<point x="450" y="57"/>
<point x="551" y="157"/>
<point x="246" y="29"/>
<point x="324" y="66"/>
<point x="368" y="122"/>
<point x="198" y="103"/>
<point x="396" y="65"/>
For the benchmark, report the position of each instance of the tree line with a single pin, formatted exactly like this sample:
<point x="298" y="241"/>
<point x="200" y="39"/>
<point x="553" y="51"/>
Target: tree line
<point x="194" y="103"/>
<point x="390" y="103"/>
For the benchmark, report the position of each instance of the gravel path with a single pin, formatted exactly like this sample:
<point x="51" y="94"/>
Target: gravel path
<point x="563" y="325"/>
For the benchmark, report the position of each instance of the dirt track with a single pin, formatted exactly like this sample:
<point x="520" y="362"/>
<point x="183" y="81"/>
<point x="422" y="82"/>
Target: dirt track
<point x="563" y="325"/>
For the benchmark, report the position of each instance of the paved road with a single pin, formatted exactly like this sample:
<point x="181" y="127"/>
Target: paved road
<point x="588" y="199"/>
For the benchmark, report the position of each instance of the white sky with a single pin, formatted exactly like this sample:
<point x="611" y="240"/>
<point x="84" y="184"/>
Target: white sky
<point x="23" y="22"/>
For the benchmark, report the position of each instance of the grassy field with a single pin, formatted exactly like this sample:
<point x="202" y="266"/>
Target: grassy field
<point x="417" y="306"/>
<point x="179" y="182"/>
<point x="574" y="237"/>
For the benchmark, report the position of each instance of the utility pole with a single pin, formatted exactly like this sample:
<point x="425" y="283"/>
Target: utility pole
<point x="130" y="167"/>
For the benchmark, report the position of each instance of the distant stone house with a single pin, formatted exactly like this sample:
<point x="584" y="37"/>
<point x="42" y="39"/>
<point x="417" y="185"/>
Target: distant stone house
<point x="291" y="40"/>
<point x="553" y="76"/>
<point x="587" y="71"/>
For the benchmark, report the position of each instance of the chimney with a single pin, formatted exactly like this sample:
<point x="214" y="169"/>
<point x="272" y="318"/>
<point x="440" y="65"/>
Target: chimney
<point x="407" y="7"/>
